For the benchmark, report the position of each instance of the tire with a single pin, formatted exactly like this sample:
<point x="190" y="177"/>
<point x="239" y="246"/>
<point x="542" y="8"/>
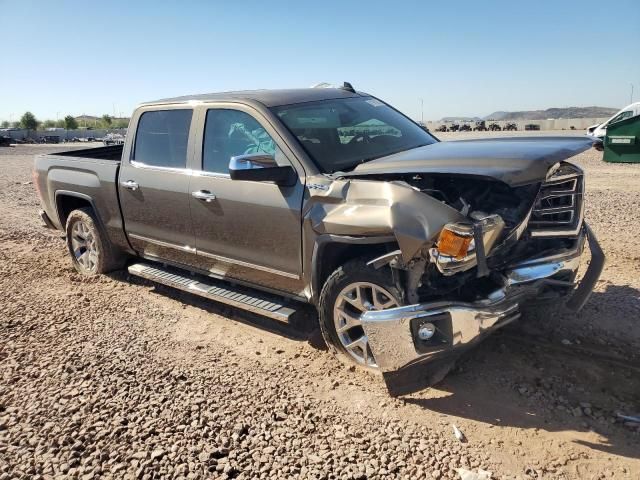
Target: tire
<point x="337" y="308"/>
<point x="89" y="247"/>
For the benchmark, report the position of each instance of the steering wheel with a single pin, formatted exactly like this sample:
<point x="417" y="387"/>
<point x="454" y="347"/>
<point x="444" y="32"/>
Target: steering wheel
<point x="365" y="138"/>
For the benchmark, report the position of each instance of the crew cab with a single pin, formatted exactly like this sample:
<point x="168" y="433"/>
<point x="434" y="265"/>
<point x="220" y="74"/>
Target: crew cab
<point x="410" y="248"/>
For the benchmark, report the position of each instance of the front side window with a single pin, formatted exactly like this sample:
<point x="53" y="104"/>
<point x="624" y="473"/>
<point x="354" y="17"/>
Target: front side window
<point x="339" y="134"/>
<point x="162" y="137"/>
<point x="228" y="133"/>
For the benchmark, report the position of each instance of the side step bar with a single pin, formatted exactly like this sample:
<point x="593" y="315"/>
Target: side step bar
<point x="245" y="298"/>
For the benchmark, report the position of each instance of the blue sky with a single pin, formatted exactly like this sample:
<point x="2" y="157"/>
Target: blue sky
<point x="461" y="57"/>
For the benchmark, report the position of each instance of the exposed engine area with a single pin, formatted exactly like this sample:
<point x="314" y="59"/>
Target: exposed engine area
<point x="467" y="195"/>
<point x="479" y="200"/>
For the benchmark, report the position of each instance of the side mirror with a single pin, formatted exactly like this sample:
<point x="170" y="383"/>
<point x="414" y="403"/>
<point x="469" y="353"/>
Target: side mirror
<point x="261" y="167"/>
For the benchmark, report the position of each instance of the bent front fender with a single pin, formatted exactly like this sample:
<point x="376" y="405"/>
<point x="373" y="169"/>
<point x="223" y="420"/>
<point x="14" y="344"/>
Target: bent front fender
<point x="373" y="208"/>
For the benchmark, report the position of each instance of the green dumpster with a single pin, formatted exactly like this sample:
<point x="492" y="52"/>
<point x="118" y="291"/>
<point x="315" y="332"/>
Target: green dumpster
<point x="622" y="143"/>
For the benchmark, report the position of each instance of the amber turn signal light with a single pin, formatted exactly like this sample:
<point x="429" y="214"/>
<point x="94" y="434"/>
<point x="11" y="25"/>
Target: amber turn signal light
<point x="454" y="244"/>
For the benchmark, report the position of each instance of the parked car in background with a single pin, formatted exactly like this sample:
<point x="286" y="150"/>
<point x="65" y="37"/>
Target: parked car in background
<point x="600" y="130"/>
<point x="410" y="249"/>
<point x="49" y="139"/>
<point x="113" y="139"/>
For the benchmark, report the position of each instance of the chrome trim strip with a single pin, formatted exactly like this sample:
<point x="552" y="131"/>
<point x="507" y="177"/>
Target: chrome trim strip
<point x="217" y="276"/>
<point x="529" y="273"/>
<point x="183" y="171"/>
<point x="556" y="233"/>
<point x="231" y="261"/>
<point x="182" y="248"/>
<point x="249" y="265"/>
<point x="202" y="173"/>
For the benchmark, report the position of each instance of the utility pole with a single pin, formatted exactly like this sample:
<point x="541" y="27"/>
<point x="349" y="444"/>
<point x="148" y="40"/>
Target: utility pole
<point x="631" y="99"/>
<point x="422" y="110"/>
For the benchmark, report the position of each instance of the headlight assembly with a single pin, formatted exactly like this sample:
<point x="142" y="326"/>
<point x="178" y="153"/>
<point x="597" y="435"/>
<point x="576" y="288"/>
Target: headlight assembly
<point x="455" y="250"/>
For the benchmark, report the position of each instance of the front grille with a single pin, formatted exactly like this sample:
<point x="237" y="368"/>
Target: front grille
<point x="558" y="209"/>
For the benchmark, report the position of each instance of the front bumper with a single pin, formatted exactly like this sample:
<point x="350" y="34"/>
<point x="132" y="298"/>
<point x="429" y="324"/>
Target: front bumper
<point x="393" y="333"/>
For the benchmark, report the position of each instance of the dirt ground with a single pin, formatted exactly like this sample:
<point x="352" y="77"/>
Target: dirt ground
<point x="112" y="377"/>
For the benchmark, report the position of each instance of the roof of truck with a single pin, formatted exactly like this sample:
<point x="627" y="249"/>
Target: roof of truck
<point x="269" y="98"/>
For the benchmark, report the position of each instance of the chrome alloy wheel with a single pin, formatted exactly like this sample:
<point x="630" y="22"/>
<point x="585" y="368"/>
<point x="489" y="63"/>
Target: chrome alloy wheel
<point x="355" y="299"/>
<point x="84" y="246"/>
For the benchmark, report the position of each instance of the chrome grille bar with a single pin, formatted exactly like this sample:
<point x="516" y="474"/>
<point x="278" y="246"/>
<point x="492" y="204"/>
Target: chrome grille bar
<point x="558" y="209"/>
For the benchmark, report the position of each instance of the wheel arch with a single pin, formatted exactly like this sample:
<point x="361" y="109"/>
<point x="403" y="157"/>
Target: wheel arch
<point x="68" y="201"/>
<point x="331" y="251"/>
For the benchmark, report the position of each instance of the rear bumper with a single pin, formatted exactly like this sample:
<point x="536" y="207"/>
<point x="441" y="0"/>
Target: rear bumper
<point x="393" y="334"/>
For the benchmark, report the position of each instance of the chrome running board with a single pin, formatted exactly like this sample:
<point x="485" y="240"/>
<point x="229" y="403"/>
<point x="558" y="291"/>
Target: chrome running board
<point x="245" y="298"/>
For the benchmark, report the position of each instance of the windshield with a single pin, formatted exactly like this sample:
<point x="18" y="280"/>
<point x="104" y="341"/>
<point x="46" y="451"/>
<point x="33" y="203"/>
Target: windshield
<point x="339" y="134"/>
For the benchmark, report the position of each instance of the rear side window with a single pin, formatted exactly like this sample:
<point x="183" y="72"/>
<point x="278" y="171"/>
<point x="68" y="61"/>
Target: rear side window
<point x="162" y="137"/>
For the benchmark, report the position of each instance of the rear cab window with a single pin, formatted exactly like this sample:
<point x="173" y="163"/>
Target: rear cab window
<point x="162" y="137"/>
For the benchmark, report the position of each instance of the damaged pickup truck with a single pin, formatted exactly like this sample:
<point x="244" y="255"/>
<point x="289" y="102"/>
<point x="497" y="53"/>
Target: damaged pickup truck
<point x="411" y="249"/>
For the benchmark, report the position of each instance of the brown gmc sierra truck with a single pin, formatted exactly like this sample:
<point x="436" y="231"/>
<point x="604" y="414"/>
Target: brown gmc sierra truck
<point x="411" y="249"/>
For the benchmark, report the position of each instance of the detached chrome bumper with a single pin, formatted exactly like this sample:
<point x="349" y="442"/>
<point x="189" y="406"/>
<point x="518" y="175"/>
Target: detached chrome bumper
<point x="393" y="334"/>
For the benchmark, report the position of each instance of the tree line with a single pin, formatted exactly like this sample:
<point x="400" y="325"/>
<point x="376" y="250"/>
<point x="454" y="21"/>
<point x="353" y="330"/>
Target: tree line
<point x="28" y="121"/>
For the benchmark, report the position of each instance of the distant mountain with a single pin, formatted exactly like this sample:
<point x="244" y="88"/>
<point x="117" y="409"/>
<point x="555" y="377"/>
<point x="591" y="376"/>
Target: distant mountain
<point x="554" y="113"/>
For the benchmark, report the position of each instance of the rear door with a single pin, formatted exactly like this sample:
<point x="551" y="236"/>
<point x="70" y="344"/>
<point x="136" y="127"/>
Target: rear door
<point x="154" y="185"/>
<point x="244" y="230"/>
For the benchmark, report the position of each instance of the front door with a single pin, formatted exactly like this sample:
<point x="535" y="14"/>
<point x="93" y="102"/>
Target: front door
<point x="154" y="187"/>
<point x="245" y="230"/>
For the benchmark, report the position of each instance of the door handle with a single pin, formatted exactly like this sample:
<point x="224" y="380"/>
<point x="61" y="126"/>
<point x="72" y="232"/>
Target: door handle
<point x="131" y="185"/>
<point x="204" y="195"/>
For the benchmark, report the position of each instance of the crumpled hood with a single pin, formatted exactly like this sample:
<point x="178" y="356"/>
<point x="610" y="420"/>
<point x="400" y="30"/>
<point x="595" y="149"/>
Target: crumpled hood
<point x="512" y="160"/>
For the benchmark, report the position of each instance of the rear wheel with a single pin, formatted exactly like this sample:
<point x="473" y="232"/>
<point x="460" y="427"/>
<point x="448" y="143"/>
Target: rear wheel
<point x="90" y="249"/>
<point x="348" y="293"/>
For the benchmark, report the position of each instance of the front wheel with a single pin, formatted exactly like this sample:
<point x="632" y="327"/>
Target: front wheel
<point x="351" y="290"/>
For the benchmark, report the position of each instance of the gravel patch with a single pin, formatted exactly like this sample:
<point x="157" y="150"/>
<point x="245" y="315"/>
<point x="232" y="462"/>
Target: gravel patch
<point x="112" y="377"/>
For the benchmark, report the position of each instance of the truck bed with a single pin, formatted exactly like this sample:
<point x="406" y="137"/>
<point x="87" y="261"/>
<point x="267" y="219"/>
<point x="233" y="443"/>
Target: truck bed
<point x="81" y="178"/>
<point x="109" y="152"/>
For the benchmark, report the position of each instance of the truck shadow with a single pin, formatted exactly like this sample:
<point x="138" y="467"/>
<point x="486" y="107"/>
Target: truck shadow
<point x="303" y="326"/>
<point x="516" y="379"/>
